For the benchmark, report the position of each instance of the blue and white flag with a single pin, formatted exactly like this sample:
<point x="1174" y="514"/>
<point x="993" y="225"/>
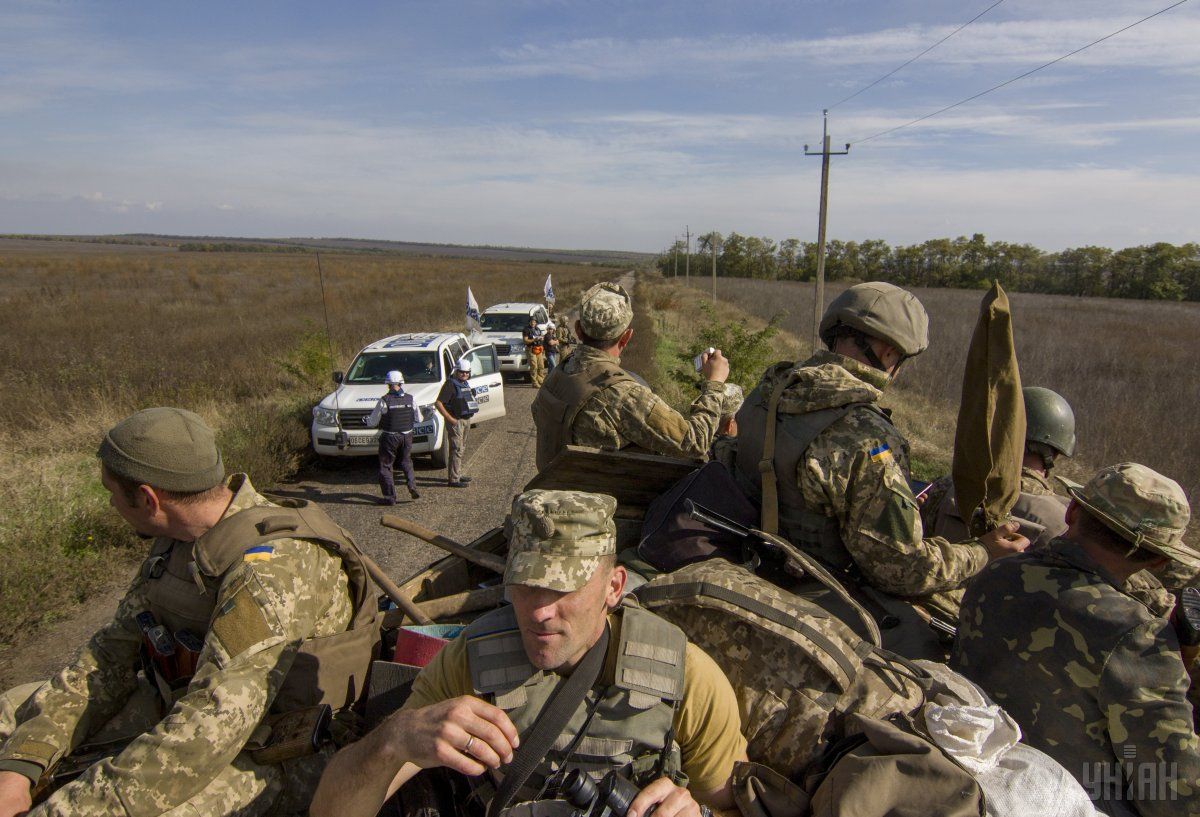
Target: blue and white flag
<point x="548" y="291"/>
<point x="473" y="324"/>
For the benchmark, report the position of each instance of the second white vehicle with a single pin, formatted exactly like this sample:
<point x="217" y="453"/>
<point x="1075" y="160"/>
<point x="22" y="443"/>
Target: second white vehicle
<point x="425" y="360"/>
<point x="504" y="325"/>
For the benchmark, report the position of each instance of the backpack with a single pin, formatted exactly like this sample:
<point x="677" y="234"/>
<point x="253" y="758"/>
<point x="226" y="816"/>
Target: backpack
<point x="798" y="671"/>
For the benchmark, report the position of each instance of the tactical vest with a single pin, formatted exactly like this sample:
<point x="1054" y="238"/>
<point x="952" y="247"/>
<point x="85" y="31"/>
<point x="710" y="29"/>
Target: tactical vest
<point x="183" y="579"/>
<point x="401" y="413"/>
<point x="462" y="404"/>
<point x="633" y="703"/>
<point x="561" y="398"/>
<point x="811" y="530"/>
<point x="1042" y="518"/>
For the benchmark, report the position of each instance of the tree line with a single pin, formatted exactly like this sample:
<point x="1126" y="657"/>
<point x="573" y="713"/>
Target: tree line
<point x="1158" y="271"/>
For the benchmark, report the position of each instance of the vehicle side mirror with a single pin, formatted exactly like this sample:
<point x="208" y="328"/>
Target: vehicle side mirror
<point x="338" y="377"/>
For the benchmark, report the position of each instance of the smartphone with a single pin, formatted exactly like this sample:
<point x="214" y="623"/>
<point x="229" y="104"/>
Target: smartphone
<point x="698" y="360"/>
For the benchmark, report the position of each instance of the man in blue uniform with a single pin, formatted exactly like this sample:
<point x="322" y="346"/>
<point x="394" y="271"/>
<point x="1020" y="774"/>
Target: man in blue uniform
<point x="395" y="414"/>
<point x="456" y="403"/>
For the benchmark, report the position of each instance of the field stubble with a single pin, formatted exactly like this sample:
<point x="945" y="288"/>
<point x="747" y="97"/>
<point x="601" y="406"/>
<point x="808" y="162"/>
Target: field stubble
<point x="1128" y="368"/>
<point x="87" y="339"/>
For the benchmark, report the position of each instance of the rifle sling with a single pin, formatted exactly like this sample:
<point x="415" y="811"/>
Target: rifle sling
<point x="551" y="721"/>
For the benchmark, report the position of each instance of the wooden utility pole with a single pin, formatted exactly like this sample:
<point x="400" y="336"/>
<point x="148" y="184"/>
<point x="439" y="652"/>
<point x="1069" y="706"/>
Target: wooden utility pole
<point x="687" y="262"/>
<point x="819" y="295"/>
<point x="675" y="258"/>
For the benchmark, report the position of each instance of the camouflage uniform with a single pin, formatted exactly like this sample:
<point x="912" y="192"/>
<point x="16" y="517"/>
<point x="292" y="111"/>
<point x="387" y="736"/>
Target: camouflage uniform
<point x="1092" y="676"/>
<point x="624" y="411"/>
<point x="192" y="758"/>
<point x="856" y="472"/>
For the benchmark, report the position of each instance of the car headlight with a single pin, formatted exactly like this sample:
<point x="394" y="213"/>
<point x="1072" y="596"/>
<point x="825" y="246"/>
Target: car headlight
<point x="324" y="416"/>
<point x="518" y="348"/>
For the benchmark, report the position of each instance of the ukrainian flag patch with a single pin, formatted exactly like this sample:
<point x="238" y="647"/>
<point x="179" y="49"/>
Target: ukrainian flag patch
<point x="258" y="554"/>
<point x="881" y="453"/>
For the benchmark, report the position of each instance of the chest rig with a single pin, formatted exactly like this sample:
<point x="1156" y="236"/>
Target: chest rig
<point x="771" y="445"/>
<point x="184" y="579"/>
<point x="562" y="396"/>
<point x="625" y="720"/>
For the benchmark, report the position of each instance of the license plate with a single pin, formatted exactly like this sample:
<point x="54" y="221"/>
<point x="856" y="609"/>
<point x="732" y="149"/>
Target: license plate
<point x="363" y="440"/>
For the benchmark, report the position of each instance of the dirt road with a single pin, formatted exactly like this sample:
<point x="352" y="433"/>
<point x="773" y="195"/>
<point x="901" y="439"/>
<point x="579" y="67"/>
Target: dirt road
<point x="499" y="458"/>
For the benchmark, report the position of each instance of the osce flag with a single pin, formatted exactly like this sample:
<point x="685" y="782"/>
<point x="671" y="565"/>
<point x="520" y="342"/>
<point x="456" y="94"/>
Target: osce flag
<point x="548" y="290"/>
<point x="472" y="313"/>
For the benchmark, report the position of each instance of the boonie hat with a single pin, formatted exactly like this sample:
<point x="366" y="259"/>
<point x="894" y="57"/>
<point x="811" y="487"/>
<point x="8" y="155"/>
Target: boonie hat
<point x="556" y="539"/>
<point x="167" y="448"/>
<point x="605" y="311"/>
<point x="732" y="399"/>
<point x="1141" y="506"/>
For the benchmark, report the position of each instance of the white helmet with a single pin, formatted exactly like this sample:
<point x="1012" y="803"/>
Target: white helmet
<point x="463" y="365"/>
<point x="394" y="377"/>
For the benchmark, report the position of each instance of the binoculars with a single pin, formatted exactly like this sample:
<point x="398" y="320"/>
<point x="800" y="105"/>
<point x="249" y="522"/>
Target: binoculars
<point x="613" y="792"/>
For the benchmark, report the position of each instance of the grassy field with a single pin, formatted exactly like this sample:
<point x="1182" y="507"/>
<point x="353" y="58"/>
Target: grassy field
<point x="87" y="338"/>
<point x="1129" y="369"/>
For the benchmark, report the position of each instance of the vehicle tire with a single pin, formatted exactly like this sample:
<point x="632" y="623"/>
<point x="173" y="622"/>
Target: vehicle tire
<point x="441" y="457"/>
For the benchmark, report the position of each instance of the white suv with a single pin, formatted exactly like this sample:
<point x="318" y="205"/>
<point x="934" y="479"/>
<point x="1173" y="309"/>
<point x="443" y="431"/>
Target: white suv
<point x="426" y="361"/>
<point x="503" y="325"/>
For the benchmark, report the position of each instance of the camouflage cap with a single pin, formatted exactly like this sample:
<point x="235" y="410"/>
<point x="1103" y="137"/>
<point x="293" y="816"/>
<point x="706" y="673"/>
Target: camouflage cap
<point x="1141" y="506"/>
<point x="732" y="399"/>
<point x="605" y="311"/>
<point x="167" y="448"/>
<point x="557" y="538"/>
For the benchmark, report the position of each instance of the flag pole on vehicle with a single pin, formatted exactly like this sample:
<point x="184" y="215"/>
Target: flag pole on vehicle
<point x="474" y="327"/>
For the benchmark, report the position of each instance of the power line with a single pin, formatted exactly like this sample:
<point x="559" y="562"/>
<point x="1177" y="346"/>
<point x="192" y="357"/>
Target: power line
<point x="914" y="59"/>
<point x="1019" y="76"/>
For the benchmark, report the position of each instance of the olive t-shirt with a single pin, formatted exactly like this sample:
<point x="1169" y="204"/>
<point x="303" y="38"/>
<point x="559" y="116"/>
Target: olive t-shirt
<point x="707" y="724"/>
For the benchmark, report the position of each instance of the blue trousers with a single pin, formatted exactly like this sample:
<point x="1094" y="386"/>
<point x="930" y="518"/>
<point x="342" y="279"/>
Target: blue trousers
<point x="392" y="444"/>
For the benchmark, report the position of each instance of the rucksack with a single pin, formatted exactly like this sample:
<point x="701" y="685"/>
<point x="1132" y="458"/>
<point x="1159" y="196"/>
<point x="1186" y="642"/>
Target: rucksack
<point x="798" y="671"/>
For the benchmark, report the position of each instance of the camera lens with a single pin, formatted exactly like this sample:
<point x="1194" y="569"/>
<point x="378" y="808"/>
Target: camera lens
<point x="578" y="789"/>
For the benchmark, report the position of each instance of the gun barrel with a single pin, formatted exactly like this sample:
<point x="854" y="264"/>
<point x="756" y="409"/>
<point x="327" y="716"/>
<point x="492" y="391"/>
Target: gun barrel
<point x="714" y="519"/>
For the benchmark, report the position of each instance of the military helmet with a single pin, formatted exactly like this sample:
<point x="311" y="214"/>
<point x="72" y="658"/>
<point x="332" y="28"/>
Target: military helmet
<point x="1049" y="420"/>
<point x="394" y="378"/>
<point x="883" y="311"/>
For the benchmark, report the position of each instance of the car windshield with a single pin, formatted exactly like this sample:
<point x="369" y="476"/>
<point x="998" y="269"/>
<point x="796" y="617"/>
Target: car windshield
<point x="504" y="321"/>
<point x="417" y="367"/>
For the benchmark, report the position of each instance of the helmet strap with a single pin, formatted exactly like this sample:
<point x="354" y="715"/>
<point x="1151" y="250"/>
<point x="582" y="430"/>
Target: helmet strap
<point x="864" y="345"/>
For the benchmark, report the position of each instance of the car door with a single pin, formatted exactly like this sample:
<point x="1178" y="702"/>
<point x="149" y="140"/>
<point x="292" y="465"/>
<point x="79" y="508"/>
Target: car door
<point x="486" y="382"/>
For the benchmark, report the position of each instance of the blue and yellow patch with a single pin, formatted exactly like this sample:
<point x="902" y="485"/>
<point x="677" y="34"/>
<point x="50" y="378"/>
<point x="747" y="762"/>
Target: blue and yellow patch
<point x="881" y="453"/>
<point x="258" y="554"/>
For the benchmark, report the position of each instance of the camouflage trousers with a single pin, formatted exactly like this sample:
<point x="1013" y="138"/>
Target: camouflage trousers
<point x="242" y="789"/>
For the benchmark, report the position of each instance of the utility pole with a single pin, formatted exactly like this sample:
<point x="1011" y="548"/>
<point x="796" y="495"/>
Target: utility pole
<point x="687" y="262"/>
<point x="712" y="247"/>
<point x="675" y="258"/>
<point x="819" y="295"/>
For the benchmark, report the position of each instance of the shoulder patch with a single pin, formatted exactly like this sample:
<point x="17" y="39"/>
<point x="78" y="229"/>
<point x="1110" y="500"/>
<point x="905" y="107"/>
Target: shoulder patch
<point x="258" y="554"/>
<point x="881" y="453"/>
<point x="241" y="622"/>
<point x="666" y="422"/>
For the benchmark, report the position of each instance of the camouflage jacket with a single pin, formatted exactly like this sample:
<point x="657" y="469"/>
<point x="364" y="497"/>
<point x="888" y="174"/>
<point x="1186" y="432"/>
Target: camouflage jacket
<point x="301" y="590"/>
<point x="1033" y="482"/>
<point x="629" y="413"/>
<point x="856" y="471"/>
<point x="1094" y="679"/>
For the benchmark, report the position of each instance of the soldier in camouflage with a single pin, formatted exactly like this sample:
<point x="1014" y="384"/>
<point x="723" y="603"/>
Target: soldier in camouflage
<point x="590" y="400"/>
<point x="1049" y="434"/>
<point x="839" y="465"/>
<point x="659" y="707"/>
<point x="266" y="605"/>
<point x="1094" y="678"/>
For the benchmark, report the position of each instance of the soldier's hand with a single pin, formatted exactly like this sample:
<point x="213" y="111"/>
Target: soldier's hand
<point x="1004" y="541"/>
<point x="465" y="734"/>
<point x="16" y="794"/>
<point x="714" y="366"/>
<point x="667" y="799"/>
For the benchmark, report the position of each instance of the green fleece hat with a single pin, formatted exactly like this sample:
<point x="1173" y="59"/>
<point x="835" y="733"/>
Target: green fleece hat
<point x="167" y="448"/>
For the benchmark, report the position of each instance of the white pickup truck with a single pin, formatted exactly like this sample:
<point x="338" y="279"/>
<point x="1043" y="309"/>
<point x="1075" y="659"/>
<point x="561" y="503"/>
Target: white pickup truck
<point x="426" y="361"/>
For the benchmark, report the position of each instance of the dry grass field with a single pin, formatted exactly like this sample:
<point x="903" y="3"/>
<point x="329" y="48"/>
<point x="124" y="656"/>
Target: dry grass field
<point x="88" y="337"/>
<point x="1129" y="368"/>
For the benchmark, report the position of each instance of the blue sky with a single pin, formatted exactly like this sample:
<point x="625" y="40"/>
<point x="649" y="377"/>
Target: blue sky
<point x="596" y="124"/>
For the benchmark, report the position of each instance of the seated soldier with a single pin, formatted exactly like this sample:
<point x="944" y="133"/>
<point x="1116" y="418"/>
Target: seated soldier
<point x="659" y="706"/>
<point x="1092" y="676"/>
<point x="258" y="610"/>
<point x="1049" y="433"/>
